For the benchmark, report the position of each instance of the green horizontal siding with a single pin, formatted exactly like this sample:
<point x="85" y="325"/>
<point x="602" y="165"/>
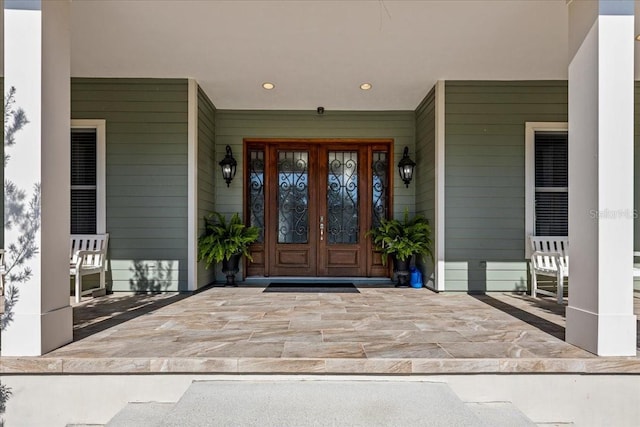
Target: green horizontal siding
<point x="155" y="274"/>
<point x="484" y="178"/>
<point x="135" y="190"/>
<point x="425" y="172"/>
<point x="426" y="156"/>
<point x="233" y="125"/>
<point x="146" y="185"/>
<point x="152" y="110"/>
<point x="149" y="180"/>
<point x="206" y="170"/>
<point x="481" y="276"/>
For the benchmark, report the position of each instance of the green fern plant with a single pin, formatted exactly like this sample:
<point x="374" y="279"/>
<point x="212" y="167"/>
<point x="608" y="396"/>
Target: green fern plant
<point x="402" y="239"/>
<point x="222" y="239"/>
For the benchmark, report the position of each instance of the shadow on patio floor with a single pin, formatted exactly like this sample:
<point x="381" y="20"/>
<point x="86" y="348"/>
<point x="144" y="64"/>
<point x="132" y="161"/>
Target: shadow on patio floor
<point x="100" y="314"/>
<point x="531" y="310"/>
<point x="529" y="317"/>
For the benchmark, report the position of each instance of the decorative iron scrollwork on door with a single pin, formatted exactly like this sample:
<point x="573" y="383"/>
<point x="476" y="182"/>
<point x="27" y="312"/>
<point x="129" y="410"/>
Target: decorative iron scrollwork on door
<point x="342" y="197"/>
<point x="293" y="197"/>
<point x="379" y="168"/>
<point x="256" y="191"/>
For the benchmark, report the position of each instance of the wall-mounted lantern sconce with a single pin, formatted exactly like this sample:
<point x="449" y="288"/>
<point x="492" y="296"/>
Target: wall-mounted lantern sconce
<point x="406" y="166"/>
<point x="228" y="165"/>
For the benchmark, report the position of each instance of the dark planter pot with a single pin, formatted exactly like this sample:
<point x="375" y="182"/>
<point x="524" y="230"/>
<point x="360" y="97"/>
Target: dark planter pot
<point x="402" y="270"/>
<point x="230" y="268"/>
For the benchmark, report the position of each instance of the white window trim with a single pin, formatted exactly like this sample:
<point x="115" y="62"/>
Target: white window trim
<point x="101" y="158"/>
<point x="530" y="173"/>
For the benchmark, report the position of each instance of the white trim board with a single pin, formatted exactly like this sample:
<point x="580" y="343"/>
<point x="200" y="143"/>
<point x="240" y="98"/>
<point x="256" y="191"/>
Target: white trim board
<point x="439" y="182"/>
<point x="192" y="187"/>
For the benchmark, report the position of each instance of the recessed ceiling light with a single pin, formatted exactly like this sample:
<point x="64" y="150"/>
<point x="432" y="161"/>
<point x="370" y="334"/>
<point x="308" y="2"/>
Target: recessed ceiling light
<point x="365" y="86"/>
<point x="268" y="85"/>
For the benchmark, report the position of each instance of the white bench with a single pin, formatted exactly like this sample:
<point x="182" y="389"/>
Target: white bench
<point x="87" y="256"/>
<point x="550" y="257"/>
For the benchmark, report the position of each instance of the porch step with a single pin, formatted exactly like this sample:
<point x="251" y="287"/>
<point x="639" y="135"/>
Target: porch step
<point x="319" y="403"/>
<point x="141" y="414"/>
<point x="559" y="424"/>
<point x="499" y="414"/>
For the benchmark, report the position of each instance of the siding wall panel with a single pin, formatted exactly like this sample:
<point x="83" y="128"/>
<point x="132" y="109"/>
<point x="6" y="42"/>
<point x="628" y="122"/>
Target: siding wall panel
<point x="425" y="172"/>
<point x="484" y="178"/>
<point x="146" y="177"/>
<point x="206" y="173"/>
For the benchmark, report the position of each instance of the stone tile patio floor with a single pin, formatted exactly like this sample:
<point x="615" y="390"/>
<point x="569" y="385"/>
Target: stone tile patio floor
<point x="379" y="330"/>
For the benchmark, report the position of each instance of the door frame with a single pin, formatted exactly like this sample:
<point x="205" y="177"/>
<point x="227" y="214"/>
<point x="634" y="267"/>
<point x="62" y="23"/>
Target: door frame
<point x="261" y="252"/>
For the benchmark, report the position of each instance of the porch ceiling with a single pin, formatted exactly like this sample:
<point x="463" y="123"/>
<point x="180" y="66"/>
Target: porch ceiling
<point x="318" y="52"/>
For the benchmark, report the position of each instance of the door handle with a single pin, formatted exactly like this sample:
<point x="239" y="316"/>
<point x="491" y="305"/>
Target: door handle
<point x="321" y="228"/>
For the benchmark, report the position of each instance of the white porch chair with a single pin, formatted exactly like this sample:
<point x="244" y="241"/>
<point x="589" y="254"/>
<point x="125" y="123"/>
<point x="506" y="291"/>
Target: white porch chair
<point x="550" y="257"/>
<point x="87" y="256"/>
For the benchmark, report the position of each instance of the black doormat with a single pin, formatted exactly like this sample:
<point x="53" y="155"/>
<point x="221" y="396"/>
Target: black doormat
<point x="327" y="287"/>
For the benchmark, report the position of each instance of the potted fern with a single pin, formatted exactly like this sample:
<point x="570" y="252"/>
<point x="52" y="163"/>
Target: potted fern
<point x="401" y="240"/>
<point x="225" y="241"/>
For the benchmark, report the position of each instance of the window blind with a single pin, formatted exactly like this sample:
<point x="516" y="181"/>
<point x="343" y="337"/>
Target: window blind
<point x="552" y="184"/>
<point x="83" y="181"/>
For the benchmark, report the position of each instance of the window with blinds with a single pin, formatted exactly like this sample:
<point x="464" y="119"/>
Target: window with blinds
<point x="83" y="181"/>
<point x="551" y="184"/>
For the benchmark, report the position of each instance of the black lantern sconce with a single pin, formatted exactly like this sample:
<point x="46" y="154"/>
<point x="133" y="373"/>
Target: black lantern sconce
<point x="228" y="165"/>
<point x="405" y="167"/>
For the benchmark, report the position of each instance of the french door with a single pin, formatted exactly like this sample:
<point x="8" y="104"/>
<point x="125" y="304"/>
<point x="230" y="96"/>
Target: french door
<point x="314" y="201"/>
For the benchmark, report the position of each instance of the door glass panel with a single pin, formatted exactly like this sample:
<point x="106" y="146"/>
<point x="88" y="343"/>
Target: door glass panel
<point x="293" y="197"/>
<point x="380" y="187"/>
<point x="342" y="197"/>
<point x="256" y="191"/>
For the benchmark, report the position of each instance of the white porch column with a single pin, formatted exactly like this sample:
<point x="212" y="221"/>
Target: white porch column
<point x="2" y="38"/>
<point x="600" y="315"/>
<point x="37" y="64"/>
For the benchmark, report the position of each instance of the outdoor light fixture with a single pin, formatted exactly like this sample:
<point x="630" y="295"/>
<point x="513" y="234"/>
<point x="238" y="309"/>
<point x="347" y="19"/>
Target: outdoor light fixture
<point x="228" y="165"/>
<point x="405" y="167"/>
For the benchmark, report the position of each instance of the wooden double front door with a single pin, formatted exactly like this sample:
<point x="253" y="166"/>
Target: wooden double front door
<point x="314" y="201"/>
